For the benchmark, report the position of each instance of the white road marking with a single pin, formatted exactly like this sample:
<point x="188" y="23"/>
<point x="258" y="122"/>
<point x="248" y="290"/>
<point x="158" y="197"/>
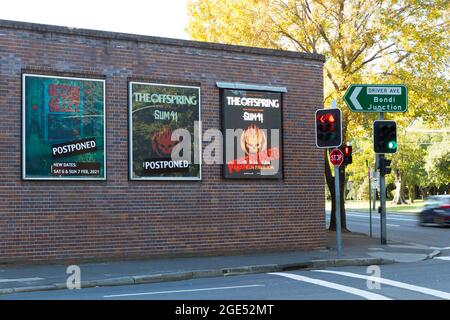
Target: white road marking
<point x="404" y="246"/>
<point x="432" y="292"/>
<point x="410" y="245"/>
<point x="445" y="248"/>
<point x="392" y="225"/>
<point x="179" y="291"/>
<point x="362" y="293"/>
<point x="443" y="258"/>
<point x="20" y="280"/>
<point x="376" y="217"/>
<point x="389" y="217"/>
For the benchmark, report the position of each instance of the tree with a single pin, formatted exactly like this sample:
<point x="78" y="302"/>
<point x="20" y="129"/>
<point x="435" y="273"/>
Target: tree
<point x="371" y="41"/>
<point x="362" y="159"/>
<point x="409" y="171"/>
<point x="437" y="161"/>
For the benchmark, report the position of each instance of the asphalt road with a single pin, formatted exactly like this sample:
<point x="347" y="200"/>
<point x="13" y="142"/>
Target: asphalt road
<point x="402" y="228"/>
<point x="429" y="279"/>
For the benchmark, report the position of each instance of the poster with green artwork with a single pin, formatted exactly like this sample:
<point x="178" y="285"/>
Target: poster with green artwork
<point x="164" y="132"/>
<point x="63" y="128"/>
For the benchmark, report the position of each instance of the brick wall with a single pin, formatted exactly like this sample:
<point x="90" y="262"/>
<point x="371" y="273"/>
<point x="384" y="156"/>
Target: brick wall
<point x="50" y="221"/>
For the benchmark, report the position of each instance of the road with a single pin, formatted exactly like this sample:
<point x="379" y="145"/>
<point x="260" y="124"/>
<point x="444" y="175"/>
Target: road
<point x="429" y="279"/>
<point x="402" y="228"/>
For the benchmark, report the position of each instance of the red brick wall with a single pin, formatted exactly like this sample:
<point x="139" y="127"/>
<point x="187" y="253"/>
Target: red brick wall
<point x="42" y="221"/>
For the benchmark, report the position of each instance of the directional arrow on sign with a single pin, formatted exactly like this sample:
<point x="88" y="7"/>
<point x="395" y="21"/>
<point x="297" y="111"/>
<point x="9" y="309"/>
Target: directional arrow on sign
<point x="354" y="96"/>
<point x="377" y="98"/>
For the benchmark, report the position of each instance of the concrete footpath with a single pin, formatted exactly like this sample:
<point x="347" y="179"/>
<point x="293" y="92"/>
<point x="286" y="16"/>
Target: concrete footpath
<point x="358" y="250"/>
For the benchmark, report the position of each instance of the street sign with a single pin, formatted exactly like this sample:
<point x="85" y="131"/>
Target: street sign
<point x="375" y="175"/>
<point x="377" y="98"/>
<point x="375" y="185"/>
<point x="336" y="157"/>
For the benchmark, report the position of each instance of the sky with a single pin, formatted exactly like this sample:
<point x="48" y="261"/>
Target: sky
<point x="162" y="18"/>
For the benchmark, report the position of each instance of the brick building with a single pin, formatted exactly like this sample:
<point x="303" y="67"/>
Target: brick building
<point x="121" y="218"/>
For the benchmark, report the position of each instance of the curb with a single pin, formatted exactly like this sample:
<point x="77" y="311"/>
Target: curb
<point x="208" y="273"/>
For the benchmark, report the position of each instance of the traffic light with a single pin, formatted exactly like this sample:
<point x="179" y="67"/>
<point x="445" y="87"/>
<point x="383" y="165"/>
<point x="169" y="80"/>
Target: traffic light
<point x="385" y="166"/>
<point x="384" y="136"/>
<point x="328" y="128"/>
<point x="347" y="154"/>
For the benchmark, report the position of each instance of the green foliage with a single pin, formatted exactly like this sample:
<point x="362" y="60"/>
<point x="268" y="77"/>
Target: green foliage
<point x="371" y="41"/>
<point x="437" y="161"/>
<point x="409" y="160"/>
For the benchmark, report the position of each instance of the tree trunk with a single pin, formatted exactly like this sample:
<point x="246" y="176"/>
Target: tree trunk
<point x="424" y="192"/>
<point x="411" y="193"/>
<point x="398" y="197"/>
<point x="330" y="183"/>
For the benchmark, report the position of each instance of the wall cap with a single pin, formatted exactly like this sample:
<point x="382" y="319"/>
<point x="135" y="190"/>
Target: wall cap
<point x="37" y="27"/>
<point x="249" y="86"/>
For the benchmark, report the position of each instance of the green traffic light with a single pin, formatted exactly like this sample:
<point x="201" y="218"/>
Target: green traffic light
<point x="392" y="145"/>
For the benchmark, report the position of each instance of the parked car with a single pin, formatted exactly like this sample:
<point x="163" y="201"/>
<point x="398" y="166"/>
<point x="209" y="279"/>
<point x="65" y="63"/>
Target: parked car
<point x="436" y="211"/>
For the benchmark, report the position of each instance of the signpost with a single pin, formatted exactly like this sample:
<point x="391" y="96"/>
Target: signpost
<point x="328" y="127"/>
<point x="377" y="98"/>
<point x="383" y="221"/>
<point x="336" y="158"/>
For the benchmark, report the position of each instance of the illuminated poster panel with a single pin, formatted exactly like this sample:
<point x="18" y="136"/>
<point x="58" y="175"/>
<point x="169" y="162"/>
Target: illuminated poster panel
<point x="251" y="122"/>
<point x="63" y="128"/>
<point x="164" y="132"/>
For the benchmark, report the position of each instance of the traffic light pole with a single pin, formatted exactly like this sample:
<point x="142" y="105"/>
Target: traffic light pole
<point x="383" y="222"/>
<point x="383" y="204"/>
<point x="370" y="197"/>
<point x="337" y="194"/>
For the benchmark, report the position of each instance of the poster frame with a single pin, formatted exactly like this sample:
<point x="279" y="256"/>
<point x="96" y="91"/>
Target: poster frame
<point x="23" y="131"/>
<point x="130" y="134"/>
<point x="255" y="88"/>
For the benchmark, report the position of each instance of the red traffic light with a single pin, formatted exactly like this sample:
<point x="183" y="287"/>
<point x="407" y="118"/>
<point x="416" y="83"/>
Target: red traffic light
<point x="327" y="118"/>
<point x="328" y="128"/>
<point x="348" y="150"/>
<point x="347" y="154"/>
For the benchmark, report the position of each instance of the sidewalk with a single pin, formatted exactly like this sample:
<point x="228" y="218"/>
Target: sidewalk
<point x="358" y="250"/>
